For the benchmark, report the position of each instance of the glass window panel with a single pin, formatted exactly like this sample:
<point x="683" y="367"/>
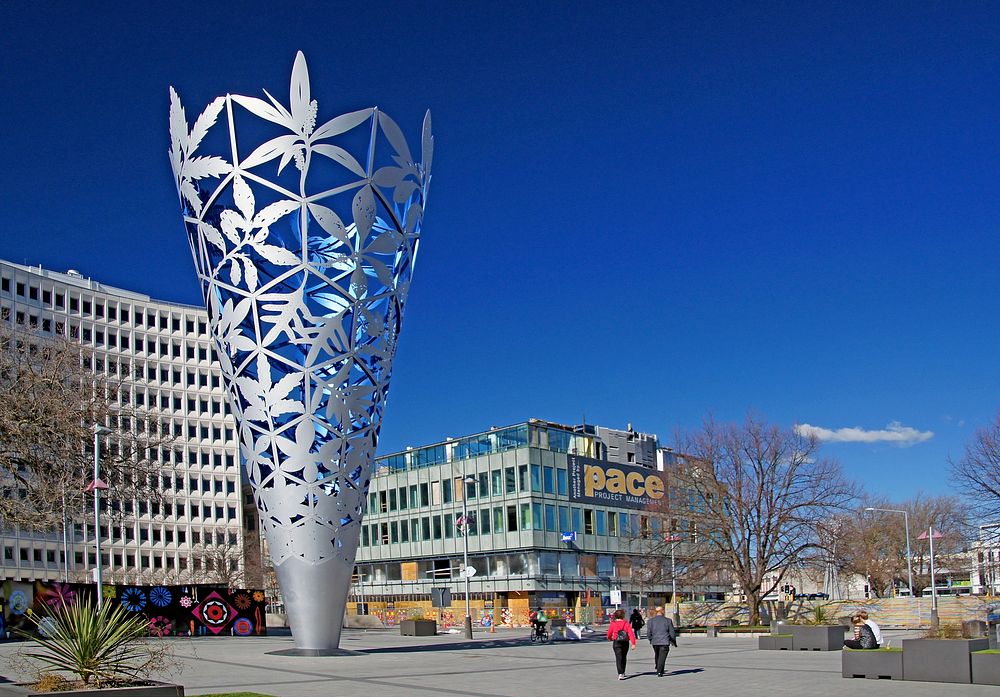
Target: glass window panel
<point x="548" y="563"/>
<point x="536" y="478"/>
<point x="510" y="480"/>
<point x="577" y="527"/>
<point x="602" y="523"/>
<point x="562" y="482"/>
<point x="497" y="485"/>
<point x="536" y="516"/>
<point x="548" y="480"/>
<point x="564" y="519"/>
<point x="550" y="517"/>
<point x="484" y="521"/>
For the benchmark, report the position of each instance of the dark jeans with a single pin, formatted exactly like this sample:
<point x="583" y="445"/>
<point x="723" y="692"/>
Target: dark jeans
<point x="660" y="654"/>
<point x="621" y="655"/>
<point x="855" y="644"/>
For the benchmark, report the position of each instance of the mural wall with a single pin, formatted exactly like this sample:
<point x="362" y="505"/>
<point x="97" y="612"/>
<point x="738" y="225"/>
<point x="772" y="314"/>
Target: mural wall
<point x="170" y="610"/>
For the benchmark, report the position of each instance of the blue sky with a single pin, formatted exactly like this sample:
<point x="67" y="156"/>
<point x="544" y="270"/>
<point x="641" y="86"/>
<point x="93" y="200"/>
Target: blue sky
<point x="639" y="214"/>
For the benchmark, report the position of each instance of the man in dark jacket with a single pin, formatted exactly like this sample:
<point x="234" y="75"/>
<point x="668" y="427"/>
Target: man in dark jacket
<point x="661" y="635"/>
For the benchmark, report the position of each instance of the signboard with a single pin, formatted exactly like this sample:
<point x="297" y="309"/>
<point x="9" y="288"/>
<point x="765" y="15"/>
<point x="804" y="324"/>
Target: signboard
<point x="616" y="596"/>
<point x="602" y="483"/>
<point x="440" y="597"/>
<point x="569" y="536"/>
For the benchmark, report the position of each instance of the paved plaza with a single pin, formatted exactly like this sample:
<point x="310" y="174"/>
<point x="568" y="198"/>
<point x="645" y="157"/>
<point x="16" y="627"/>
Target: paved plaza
<point x="506" y="664"/>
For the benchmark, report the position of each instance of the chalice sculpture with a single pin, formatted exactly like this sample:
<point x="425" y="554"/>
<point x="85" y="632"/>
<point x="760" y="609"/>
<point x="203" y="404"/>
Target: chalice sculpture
<point x="304" y="245"/>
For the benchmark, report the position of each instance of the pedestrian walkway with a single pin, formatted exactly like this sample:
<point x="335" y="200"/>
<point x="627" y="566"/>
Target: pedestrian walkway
<point x="505" y="664"/>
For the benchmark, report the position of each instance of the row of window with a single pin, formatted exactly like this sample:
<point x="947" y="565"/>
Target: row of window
<point x="513" y="518"/>
<point x="501" y="564"/>
<point x="500" y="440"/>
<point x="103" y="309"/>
<point x="495" y="483"/>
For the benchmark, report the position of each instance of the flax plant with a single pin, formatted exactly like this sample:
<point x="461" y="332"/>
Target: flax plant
<point x="103" y="646"/>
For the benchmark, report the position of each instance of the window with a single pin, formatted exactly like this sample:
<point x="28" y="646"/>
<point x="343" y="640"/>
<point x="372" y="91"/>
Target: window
<point x="536" y="516"/>
<point x="612" y="524"/>
<point x="549" y="480"/>
<point x="484" y="484"/>
<point x="425" y="499"/>
<point x="404" y="532"/>
<point x="511" y="518"/>
<point x="510" y="480"/>
<point x="588" y="521"/>
<point x="522" y="475"/>
<point x="446" y="487"/>
<point x="415" y="529"/>
<point x="575" y="519"/>
<point x="449" y="526"/>
<point x="602" y="523"/>
<point x="561" y="482"/>
<point x="550" y="517"/>
<point x="402" y="498"/>
<point x="414" y="501"/>
<point x="436" y="493"/>
<point x="564" y="518"/>
<point x="484" y="521"/>
<point x="536" y="478"/>
<point x="425" y="528"/>
<point x="437" y="527"/>
<point x="497" y="487"/>
<point x="525" y="516"/>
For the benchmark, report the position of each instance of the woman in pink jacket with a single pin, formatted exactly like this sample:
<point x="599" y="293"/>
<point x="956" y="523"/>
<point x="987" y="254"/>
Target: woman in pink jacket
<point x="620" y="635"/>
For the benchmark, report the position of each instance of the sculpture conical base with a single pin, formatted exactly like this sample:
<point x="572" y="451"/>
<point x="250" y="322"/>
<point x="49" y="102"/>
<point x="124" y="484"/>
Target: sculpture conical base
<point x="315" y="596"/>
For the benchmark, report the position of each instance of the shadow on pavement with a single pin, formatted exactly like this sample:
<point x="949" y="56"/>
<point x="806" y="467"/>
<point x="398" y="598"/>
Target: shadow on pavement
<point x="464" y="645"/>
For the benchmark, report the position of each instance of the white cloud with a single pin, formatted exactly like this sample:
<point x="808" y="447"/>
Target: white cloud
<point x="895" y="433"/>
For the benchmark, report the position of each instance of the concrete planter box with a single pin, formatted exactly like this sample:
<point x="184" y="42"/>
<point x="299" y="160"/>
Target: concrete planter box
<point x="985" y="668"/>
<point x="418" y="628"/>
<point x="817" y="637"/>
<point x="154" y="689"/>
<point x="875" y="664"/>
<point x="940" y="660"/>
<point x="777" y="642"/>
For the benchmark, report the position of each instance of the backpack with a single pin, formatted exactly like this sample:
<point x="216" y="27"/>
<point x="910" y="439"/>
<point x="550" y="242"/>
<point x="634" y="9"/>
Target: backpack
<point x="622" y="635"/>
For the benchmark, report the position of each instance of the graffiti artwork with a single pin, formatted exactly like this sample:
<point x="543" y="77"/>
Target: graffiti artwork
<point x="171" y="610"/>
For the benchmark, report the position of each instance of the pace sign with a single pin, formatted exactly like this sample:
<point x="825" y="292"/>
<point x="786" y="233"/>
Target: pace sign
<point x="599" y="482"/>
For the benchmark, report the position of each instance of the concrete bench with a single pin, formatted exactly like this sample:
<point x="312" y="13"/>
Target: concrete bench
<point x="775" y="642"/>
<point x="817" y="637"/>
<point x="874" y="664"/>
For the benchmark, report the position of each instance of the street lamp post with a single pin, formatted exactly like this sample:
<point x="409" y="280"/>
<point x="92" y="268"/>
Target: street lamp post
<point x="674" y="539"/>
<point x="909" y="557"/>
<point x="96" y="486"/>
<point x="929" y="536"/>
<point x="465" y="552"/>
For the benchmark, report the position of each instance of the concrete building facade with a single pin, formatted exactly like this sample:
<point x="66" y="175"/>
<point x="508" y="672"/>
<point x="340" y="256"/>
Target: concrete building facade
<point x="166" y="356"/>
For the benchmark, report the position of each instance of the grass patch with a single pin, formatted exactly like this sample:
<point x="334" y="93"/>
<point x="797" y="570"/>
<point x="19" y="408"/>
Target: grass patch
<point x="989" y="651"/>
<point x="743" y="629"/>
<point x="883" y="649"/>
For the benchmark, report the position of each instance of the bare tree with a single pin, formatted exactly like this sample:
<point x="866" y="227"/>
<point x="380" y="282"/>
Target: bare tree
<point x="873" y="543"/>
<point x="757" y="495"/>
<point x="218" y="564"/>
<point x="977" y="472"/>
<point x="50" y="400"/>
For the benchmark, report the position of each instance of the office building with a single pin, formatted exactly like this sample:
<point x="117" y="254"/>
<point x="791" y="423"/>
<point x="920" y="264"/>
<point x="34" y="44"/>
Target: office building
<point x="164" y="354"/>
<point x="556" y="517"/>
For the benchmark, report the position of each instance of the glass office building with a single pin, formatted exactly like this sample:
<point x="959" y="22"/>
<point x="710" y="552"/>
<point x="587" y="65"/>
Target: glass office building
<point x="534" y="537"/>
